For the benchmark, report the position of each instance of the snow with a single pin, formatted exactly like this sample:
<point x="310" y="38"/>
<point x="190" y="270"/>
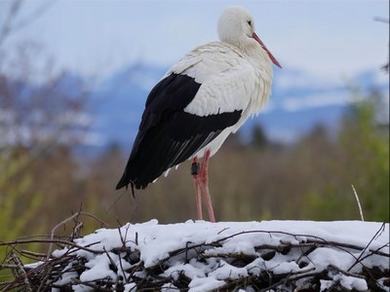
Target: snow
<point x="98" y="268"/>
<point x="205" y="284"/>
<point x="227" y="271"/>
<point x="188" y="269"/>
<point x="323" y="257"/>
<point x="129" y="287"/>
<point x="325" y="284"/>
<point x="351" y="282"/>
<point x="66" y="277"/>
<point x="199" y="251"/>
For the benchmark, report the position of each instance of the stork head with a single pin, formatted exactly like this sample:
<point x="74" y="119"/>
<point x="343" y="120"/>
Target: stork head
<point x="237" y="27"/>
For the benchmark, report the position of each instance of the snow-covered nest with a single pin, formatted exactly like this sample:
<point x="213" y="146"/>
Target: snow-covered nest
<point x="203" y="256"/>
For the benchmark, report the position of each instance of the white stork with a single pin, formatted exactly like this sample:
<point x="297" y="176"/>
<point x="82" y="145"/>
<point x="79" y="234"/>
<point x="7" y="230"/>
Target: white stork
<point x="203" y="98"/>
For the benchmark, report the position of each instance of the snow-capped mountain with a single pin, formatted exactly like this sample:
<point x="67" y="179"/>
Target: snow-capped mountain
<point x="298" y="103"/>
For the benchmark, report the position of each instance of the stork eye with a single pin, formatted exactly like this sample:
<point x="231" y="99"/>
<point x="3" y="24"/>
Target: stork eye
<point x="249" y="23"/>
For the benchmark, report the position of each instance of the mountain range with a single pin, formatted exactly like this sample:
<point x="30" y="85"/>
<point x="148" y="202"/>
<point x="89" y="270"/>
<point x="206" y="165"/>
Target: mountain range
<point x="299" y="102"/>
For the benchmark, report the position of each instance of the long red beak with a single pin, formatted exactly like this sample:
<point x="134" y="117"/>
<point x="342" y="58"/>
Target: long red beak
<point x="255" y="36"/>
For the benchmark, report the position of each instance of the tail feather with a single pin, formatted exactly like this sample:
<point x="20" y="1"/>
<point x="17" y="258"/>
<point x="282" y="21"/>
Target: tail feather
<point x="125" y="182"/>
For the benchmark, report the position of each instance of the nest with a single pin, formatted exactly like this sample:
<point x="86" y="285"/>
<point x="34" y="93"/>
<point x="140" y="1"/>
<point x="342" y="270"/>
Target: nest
<point x="252" y="260"/>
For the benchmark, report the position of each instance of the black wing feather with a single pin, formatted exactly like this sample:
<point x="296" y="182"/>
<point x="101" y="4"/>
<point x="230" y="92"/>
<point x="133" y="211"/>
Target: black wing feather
<point x="167" y="135"/>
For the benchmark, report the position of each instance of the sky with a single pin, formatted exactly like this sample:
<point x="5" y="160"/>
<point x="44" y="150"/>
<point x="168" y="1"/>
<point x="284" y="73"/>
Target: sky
<point x="91" y="37"/>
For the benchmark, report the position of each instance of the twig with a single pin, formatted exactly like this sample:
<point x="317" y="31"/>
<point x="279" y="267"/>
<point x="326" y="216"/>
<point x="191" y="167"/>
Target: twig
<point x="8" y="266"/>
<point x="380" y="230"/>
<point x="373" y="252"/>
<point x="123" y="240"/>
<point x="111" y="260"/>
<point x="358" y="202"/>
<point x="21" y="272"/>
<point x="63" y="222"/>
<point x="346" y="273"/>
<point x="314" y="240"/>
<point x="36" y="255"/>
<point x="65" y="242"/>
<point x="292" y="278"/>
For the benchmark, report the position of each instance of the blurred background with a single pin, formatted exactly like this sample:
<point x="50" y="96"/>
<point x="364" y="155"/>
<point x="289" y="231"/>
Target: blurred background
<point x="74" y="76"/>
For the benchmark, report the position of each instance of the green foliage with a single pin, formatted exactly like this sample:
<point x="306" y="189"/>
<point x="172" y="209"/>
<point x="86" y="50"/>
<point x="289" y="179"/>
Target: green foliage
<point x="19" y="205"/>
<point x="364" y="162"/>
<point x="367" y="153"/>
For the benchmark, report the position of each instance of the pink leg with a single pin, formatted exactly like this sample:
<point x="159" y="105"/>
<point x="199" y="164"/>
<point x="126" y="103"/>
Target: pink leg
<point x="204" y="177"/>
<point x="198" y="196"/>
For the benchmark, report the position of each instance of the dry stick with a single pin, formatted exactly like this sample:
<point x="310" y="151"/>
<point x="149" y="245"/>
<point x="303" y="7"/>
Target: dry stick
<point x="343" y="247"/>
<point x="61" y="266"/>
<point x="319" y="240"/>
<point x="380" y="230"/>
<point x="287" y="277"/>
<point x="110" y="259"/>
<point x="10" y="285"/>
<point x="43" y="236"/>
<point x="346" y="273"/>
<point x="26" y="255"/>
<point x="45" y="278"/>
<point x="368" y="255"/>
<point x="127" y="230"/>
<point x="373" y="252"/>
<point x="358" y="202"/>
<point x="16" y="283"/>
<point x="7" y="285"/>
<point x="123" y="240"/>
<point x="292" y="278"/>
<point x="270" y="232"/>
<point x="47" y="267"/>
<point x="226" y="228"/>
<point x="92" y="285"/>
<point x="21" y="272"/>
<point x="55" y="228"/>
<point x="315" y="239"/>
<point x="19" y="252"/>
<point x="76" y="225"/>
<point x="50" y="283"/>
<point x="59" y="241"/>
<point x="305" y="253"/>
<point x="8" y="266"/>
<point x="76" y="230"/>
<point x="63" y="222"/>
<point x="38" y="255"/>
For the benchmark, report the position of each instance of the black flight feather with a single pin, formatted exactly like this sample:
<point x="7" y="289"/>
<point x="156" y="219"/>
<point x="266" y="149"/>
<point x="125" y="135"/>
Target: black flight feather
<point x="167" y="135"/>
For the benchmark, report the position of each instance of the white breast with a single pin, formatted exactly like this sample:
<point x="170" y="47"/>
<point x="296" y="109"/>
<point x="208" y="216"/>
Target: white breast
<point x="229" y="81"/>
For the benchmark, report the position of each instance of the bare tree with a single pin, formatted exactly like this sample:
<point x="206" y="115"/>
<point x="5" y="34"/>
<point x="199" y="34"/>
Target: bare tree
<point x="12" y="24"/>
